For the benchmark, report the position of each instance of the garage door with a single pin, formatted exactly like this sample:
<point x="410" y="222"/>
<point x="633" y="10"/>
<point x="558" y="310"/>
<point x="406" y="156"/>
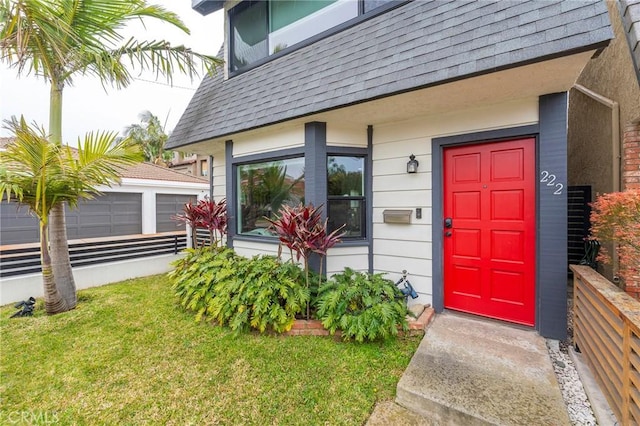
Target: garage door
<point x="168" y="205"/>
<point x="17" y="225"/>
<point x="114" y="213"/>
<point x="108" y="215"/>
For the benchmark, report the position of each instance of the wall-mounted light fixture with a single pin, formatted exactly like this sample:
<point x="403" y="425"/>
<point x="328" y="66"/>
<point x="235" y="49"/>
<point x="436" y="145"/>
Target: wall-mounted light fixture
<point x="412" y="164"/>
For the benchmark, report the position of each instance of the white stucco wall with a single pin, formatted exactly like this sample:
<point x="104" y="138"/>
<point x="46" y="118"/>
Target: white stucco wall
<point x="14" y="289"/>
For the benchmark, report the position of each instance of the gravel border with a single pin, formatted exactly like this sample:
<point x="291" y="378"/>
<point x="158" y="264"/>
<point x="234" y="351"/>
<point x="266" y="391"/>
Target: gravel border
<point x="575" y="397"/>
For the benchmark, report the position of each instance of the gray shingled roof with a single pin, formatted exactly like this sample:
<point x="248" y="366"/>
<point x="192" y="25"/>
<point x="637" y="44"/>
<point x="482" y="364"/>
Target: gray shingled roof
<point x="419" y="44"/>
<point x="630" y="11"/>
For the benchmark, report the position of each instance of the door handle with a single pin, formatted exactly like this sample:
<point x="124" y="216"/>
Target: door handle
<point x="447" y="234"/>
<point x="448" y="223"/>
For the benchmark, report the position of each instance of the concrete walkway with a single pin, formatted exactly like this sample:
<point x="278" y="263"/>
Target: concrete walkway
<point x="471" y="371"/>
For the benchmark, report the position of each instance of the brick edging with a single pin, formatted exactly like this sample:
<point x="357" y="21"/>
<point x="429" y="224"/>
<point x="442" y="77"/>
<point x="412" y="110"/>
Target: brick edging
<point x="315" y="328"/>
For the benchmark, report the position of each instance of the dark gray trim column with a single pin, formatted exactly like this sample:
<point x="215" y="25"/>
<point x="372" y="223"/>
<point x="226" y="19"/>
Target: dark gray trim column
<point x="315" y="172"/>
<point x="369" y="196"/>
<point x="231" y="182"/>
<point x="210" y="171"/>
<point x="552" y="217"/>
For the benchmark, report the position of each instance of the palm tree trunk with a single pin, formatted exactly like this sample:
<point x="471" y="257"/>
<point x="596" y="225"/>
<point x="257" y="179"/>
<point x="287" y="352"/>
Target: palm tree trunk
<point x="55" y="112"/>
<point x="53" y="301"/>
<point x="60" y="260"/>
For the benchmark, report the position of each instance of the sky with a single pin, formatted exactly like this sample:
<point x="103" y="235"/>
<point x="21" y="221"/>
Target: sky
<point x="86" y="104"/>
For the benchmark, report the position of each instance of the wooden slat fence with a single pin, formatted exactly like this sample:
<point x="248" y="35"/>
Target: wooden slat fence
<point x="607" y="332"/>
<point x="25" y="258"/>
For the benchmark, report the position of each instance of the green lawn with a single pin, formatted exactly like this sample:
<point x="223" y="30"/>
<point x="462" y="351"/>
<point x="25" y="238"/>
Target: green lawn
<point x="129" y="355"/>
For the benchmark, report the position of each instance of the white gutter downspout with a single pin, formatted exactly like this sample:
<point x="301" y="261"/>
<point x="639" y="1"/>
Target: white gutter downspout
<point x="615" y="146"/>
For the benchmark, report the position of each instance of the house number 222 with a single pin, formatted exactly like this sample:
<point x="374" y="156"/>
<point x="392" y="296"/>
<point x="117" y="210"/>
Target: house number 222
<point x="550" y="180"/>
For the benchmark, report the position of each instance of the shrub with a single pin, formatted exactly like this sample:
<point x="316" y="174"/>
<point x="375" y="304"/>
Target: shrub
<point x="363" y="306"/>
<point x="206" y="214"/>
<point x="196" y="275"/>
<point x="615" y="218"/>
<point x="260" y="293"/>
<point x="302" y="231"/>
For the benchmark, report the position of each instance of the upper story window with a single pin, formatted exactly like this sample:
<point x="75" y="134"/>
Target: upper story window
<point x="262" y="28"/>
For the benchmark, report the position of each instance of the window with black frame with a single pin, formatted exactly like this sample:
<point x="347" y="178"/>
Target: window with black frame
<point x="346" y="204"/>
<point x="260" y="28"/>
<point x="265" y="187"/>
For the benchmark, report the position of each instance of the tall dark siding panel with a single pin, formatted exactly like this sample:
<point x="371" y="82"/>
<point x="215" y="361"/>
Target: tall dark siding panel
<point x="552" y="217"/>
<point x="579" y="198"/>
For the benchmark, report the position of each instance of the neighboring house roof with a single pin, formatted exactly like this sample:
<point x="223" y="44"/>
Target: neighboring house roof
<point x="417" y="45"/>
<point x="140" y="170"/>
<point x="630" y="11"/>
<point x="154" y="172"/>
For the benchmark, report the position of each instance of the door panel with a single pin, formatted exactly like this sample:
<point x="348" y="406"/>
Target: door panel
<point x="489" y="262"/>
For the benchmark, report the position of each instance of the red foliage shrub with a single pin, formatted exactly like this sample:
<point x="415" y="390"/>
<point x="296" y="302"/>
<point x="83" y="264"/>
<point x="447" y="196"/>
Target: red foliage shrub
<point x="206" y="214"/>
<point x="615" y="218"/>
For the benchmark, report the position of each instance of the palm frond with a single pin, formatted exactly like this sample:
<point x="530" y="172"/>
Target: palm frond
<point x="100" y="160"/>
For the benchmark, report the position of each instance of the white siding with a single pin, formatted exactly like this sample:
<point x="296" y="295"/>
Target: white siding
<point x="346" y="135"/>
<point x="269" y="141"/>
<point x="219" y="176"/>
<point x="354" y="257"/>
<point x="398" y="246"/>
<point x="251" y="248"/>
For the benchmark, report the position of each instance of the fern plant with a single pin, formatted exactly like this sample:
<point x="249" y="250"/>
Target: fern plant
<point x="363" y="306"/>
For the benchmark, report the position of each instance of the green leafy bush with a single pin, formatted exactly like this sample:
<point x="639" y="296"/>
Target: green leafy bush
<point x="363" y="306"/>
<point x="260" y="293"/>
<point x="196" y="275"/>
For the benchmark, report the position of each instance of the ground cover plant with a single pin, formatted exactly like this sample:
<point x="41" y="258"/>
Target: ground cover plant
<point x="129" y="355"/>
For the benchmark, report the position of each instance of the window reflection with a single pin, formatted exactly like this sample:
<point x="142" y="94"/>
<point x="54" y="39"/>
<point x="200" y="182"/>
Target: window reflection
<point x="345" y="195"/>
<point x="264" y="188"/>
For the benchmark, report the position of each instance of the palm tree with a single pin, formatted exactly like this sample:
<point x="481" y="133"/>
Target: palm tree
<point x="151" y="137"/>
<point x="58" y="40"/>
<point x="44" y="175"/>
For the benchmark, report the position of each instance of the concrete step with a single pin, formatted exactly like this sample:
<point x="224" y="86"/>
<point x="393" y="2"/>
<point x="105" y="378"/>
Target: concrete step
<point x="471" y="371"/>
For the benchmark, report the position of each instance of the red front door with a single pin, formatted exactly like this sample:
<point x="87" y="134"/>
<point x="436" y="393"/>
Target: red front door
<point x="489" y="240"/>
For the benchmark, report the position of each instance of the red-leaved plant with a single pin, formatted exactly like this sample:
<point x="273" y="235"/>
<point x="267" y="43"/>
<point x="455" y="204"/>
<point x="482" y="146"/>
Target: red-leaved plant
<point x="615" y="218"/>
<point x="206" y="214"/>
<point x="302" y="231"/>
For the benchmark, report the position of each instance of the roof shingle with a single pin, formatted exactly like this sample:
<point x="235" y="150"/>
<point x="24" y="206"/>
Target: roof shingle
<point x="419" y="44"/>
